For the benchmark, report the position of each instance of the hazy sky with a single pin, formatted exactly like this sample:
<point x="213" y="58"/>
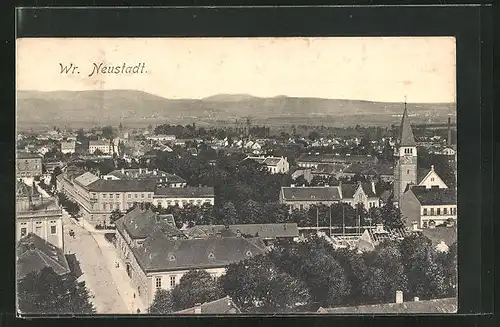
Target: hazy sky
<point x="377" y="69"/>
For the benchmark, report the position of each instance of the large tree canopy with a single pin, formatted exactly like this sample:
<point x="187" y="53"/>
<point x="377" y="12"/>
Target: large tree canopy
<point x="196" y="286"/>
<point x="48" y="293"/>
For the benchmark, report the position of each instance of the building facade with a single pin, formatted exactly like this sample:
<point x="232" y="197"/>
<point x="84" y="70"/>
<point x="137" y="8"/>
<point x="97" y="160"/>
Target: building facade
<point x="103" y="146"/>
<point x="28" y="165"/>
<point x="38" y="215"/>
<point x="275" y="165"/>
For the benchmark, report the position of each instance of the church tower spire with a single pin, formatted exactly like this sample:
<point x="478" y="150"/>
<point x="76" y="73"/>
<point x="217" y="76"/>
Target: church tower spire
<point x="405" y="170"/>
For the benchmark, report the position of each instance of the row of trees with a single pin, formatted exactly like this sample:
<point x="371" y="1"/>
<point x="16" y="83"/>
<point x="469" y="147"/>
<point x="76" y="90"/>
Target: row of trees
<point x="253" y="212"/>
<point x="304" y="276"/>
<point x="71" y="207"/>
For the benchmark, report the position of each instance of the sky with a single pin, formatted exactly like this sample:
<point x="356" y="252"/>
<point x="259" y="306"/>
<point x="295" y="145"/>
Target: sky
<point x="370" y="68"/>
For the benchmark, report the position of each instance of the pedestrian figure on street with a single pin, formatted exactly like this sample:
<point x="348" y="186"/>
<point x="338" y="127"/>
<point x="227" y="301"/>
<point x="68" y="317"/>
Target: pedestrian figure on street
<point x="134" y="295"/>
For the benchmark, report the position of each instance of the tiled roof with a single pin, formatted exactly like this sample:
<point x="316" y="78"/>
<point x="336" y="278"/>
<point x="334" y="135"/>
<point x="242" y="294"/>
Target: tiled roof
<point x="434" y="196"/>
<point x="421" y="173"/>
<point x="272" y="161"/>
<point x="448" y="235"/>
<point x="264" y="231"/>
<point x="28" y="155"/>
<point x="159" y="253"/>
<point x="86" y="179"/>
<point x="330" y="158"/>
<point x="34" y="254"/>
<point x="138" y="174"/>
<point x="97" y="143"/>
<point x="220" y="306"/>
<point x="139" y="224"/>
<point x="311" y="193"/>
<point x="448" y="305"/>
<point x="123" y="185"/>
<point x="370" y="169"/>
<point x="185" y="192"/>
<point x="407" y="138"/>
<point x="330" y="169"/>
<point x="367" y="188"/>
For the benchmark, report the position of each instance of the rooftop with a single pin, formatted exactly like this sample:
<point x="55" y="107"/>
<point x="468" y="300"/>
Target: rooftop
<point x="448" y="235"/>
<point x="98" y="142"/>
<point x="448" y="305"/>
<point x="28" y="155"/>
<point x="220" y="306"/>
<point x="123" y="185"/>
<point x="145" y="173"/>
<point x="311" y="193"/>
<point x="185" y="192"/>
<point x="139" y="224"/>
<point x="160" y="253"/>
<point x="435" y="196"/>
<point x="34" y="254"/>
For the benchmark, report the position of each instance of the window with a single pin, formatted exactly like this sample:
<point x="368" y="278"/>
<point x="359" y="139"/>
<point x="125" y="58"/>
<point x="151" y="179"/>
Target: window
<point x="214" y="276"/>
<point x="438" y="211"/>
<point x="149" y="196"/>
<point x="408" y="171"/>
<point x="432" y="179"/>
<point x="172" y="281"/>
<point x="104" y="196"/>
<point x="432" y="211"/>
<point x="158" y="282"/>
<point x="23" y="232"/>
<point x="425" y="211"/>
<point x="129" y="196"/>
<point x="454" y="211"/>
<point x="104" y="206"/>
<point x="135" y="195"/>
<point x="117" y="196"/>
<point x="142" y="195"/>
<point x="425" y="224"/>
<point x="111" y="196"/>
<point x="445" y="211"/>
<point x="301" y="207"/>
<point x="38" y="230"/>
<point x="53" y="230"/>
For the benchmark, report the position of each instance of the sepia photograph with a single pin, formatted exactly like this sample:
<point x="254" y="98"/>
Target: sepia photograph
<point x="234" y="176"/>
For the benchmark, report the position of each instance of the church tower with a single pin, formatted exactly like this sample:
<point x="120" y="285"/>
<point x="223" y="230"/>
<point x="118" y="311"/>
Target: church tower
<point x="405" y="170"/>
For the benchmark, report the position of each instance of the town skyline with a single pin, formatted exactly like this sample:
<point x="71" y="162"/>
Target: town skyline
<point x="370" y="69"/>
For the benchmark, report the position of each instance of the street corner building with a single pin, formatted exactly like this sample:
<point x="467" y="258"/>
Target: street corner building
<point x="157" y="254"/>
<point x="28" y="165"/>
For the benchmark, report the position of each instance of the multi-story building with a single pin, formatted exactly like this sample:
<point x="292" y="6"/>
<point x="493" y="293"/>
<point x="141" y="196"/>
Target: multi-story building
<point x="161" y="137"/>
<point x="162" y="178"/>
<point x="275" y="165"/>
<point x="68" y="147"/>
<point x="103" y="146"/>
<point x="429" y="207"/>
<point x="304" y="197"/>
<point x="38" y="215"/>
<point x="312" y="161"/>
<point x="160" y="260"/>
<point x="99" y="197"/>
<point x="28" y="165"/>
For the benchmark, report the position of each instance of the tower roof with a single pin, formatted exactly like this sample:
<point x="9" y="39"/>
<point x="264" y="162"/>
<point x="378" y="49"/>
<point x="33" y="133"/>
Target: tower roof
<point x="407" y="138"/>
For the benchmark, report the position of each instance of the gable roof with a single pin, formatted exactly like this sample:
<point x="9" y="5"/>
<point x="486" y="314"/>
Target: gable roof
<point x="139" y="224"/>
<point x="220" y="306"/>
<point x="407" y="138"/>
<point x="159" y="253"/>
<point x="448" y="235"/>
<point x="435" y="196"/>
<point x="447" y="305"/>
<point x="430" y="172"/>
<point x="35" y="253"/>
<point x="311" y="193"/>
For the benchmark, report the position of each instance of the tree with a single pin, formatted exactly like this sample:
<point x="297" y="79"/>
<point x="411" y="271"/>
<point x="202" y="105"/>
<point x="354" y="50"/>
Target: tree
<point x="115" y="215"/>
<point x="48" y="293"/>
<point x="228" y="213"/>
<point x="196" y="286"/>
<point x="162" y="303"/>
<point x="107" y="132"/>
<point x="252" y="212"/>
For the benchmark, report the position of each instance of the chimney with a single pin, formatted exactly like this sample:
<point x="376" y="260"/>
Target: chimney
<point x="432" y="167"/>
<point x="399" y="297"/>
<point x="416" y="299"/>
<point x="197" y="308"/>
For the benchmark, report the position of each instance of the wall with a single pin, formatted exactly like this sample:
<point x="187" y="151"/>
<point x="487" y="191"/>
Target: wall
<point x="438" y="219"/>
<point x="410" y="208"/>
<point x="44" y="223"/>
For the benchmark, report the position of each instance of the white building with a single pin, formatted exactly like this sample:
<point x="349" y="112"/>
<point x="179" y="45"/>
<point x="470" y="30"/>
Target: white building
<point x="161" y="137"/>
<point x="103" y="146"/>
<point x="275" y="165"/>
<point x="68" y="147"/>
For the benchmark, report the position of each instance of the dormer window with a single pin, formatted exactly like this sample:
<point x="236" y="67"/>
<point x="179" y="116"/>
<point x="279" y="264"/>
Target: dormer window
<point x="172" y="257"/>
<point x="211" y="255"/>
<point x="249" y="254"/>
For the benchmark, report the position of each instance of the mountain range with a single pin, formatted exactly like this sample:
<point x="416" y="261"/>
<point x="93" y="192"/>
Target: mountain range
<point x="91" y="108"/>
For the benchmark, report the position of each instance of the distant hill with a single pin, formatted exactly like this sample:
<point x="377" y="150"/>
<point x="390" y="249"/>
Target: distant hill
<point x="84" y="108"/>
